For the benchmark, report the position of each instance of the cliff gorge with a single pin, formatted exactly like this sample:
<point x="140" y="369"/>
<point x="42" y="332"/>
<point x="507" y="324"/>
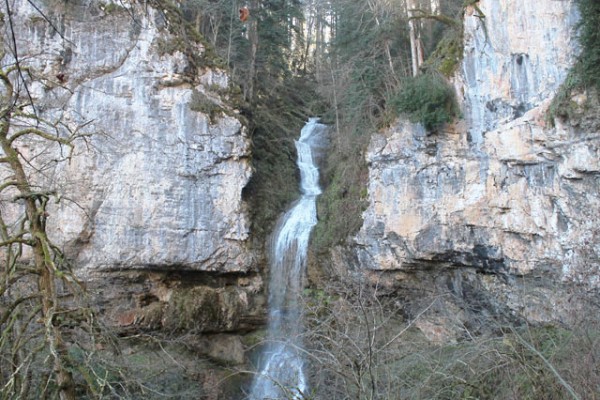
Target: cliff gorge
<point x="486" y="224"/>
<point x="500" y="209"/>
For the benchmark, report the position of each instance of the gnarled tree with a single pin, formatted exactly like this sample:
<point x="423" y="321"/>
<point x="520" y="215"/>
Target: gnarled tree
<point x="42" y="313"/>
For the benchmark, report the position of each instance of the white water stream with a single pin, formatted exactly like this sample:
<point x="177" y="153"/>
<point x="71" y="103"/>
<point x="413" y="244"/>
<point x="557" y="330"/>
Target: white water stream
<point x="281" y="373"/>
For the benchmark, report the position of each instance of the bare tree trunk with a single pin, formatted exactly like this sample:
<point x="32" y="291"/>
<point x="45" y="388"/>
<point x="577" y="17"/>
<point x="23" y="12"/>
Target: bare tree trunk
<point x="308" y="42"/>
<point x="232" y="17"/>
<point x="253" y="37"/>
<point x="335" y="102"/>
<point x="40" y="246"/>
<point x="388" y="53"/>
<point x="414" y="46"/>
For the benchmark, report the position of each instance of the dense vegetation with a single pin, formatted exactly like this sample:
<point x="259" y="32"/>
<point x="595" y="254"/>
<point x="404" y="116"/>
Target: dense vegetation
<point x="362" y="346"/>
<point x="427" y="99"/>
<point x="589" y="37"/>
<point x="351" y="62"/>
<point x="370" y="74"/>
<point x="585" y="75"/>
<point x="357" y="64"/>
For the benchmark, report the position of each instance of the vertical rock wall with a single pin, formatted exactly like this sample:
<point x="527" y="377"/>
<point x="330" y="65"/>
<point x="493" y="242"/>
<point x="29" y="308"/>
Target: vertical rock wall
<point x="500" y="199"/>
<point x="155" y="185"/>
<point x="516" y="55"/>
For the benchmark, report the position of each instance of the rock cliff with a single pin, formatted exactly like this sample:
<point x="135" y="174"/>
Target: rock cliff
<point x="498" y="206"/>
<point x="155" y="185"/>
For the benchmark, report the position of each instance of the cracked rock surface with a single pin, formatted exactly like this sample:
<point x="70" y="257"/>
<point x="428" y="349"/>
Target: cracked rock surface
<point x="499" y="194"/>
<point x="156" y="184"/>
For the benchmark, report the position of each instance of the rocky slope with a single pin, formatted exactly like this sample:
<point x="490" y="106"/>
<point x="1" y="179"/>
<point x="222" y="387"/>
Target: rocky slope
<point x="500" y="211"/>
<point x="150" y="206"/>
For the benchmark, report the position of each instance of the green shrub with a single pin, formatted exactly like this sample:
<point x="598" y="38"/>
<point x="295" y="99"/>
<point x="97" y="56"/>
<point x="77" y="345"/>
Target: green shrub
<point x="202" y="103"/>
<point x="448" y="53"/>
<point x="562" y="106"/>
<point x="427" y="99"/>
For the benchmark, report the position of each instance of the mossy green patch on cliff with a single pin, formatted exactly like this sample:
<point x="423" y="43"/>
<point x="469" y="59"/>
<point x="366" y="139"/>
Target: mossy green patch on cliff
<point x="200" y="102"/>
<point x="274" y="183"/>
<point x="340" y="207"/>
<point x="585" y="74"/>
<point x="199" y="309"/>
<point x="186" y="38"/>
<point x="448" y="53"/>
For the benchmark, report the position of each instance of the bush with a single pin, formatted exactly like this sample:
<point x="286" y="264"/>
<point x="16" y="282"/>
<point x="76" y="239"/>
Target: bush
<point x="427" y="99"/>
<point x="200" y="102"/>
<point x="360" y="346"/>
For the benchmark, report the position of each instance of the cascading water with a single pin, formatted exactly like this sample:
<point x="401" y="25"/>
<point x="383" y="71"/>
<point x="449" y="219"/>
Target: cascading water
<point x="281" y="372"/>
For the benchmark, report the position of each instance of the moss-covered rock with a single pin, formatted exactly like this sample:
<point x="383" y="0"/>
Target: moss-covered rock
<point x="205" y="309"/>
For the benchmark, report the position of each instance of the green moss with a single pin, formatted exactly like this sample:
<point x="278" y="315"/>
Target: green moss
<point x="274" y="183"/>
<point x="340" y="207"/>
<point x="193" y="310"/>
<point x="448" y="53"/>
<point x="254" y="338"/>
<point x="562" y="106"/>
<point x="585" y="74"/>
<point x="186" y="38"/>
<point x="202" y="103"/>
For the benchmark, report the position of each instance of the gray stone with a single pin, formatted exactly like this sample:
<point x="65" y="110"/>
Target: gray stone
<point x="156" y="185"/>
<point x="503" y="194"/>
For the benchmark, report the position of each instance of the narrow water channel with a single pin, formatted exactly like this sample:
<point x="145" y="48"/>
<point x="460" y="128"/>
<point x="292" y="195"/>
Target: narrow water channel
<point x="281" y="365"/>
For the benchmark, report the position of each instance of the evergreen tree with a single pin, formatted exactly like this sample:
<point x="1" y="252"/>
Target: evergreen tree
<point x="589" y="37"/>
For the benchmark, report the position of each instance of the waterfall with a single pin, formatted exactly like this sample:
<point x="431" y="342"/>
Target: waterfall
<point x="281" y="372"/>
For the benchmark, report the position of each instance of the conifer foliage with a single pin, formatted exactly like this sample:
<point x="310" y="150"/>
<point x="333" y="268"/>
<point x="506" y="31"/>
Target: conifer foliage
<point x="589" y="37"/>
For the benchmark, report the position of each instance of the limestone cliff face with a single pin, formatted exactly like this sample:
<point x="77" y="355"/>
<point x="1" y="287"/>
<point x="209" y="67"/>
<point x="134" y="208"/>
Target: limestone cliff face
<point x="157" y="184"/>
<point x="499" y="195"/>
